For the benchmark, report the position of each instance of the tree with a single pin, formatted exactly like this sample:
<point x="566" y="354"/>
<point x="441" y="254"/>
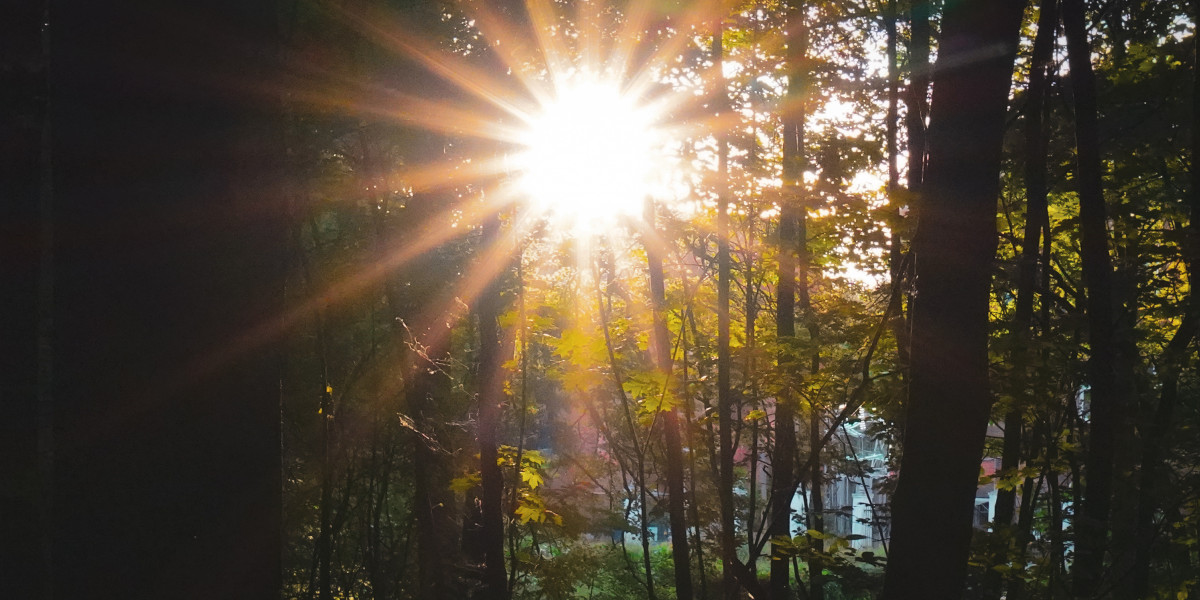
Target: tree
<point x="26" y="310"/>
<point x="724" y="381"/>
<point x="949" y="399"/>
<point x="169" y="227"/>
<point x="1109" y="376"/>
<point x="491" y="394"/>
<point x="783" y="476"/>
<point x="419" y="405"/>
<point x="1029" y="267"/>
<point x="673" y="444"/>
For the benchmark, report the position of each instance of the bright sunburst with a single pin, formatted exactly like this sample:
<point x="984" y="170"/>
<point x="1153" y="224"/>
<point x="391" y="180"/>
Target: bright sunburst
<point x="591" y="155"/>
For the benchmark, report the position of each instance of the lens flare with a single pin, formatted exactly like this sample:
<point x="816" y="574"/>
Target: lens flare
<point x="591" y="156"/>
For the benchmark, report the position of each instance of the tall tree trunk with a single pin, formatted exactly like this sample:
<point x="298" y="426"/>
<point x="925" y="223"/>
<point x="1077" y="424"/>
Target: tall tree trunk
<point x="27" y="223"/>
<point x="750" y="381"/>
<point x="891" y="147"/>
<point x="724" y="274"/>
<point x="639" y="449"/>
<point x="661" y="339"/>
<point x="491" y="395"/>
<point x="424" y="347"/>
<point x="1035" y="215"/>
<point x="691" y="439"/>
<point x="170" y="237"/>
<point x="816" y="507"/>
<point x="892" y="126"/>
<point x="917" y="103"/>
<point x="325" y="511"/>
<point x="949" y="399"/>
<point x="1174" y="358"/>
<point x="783" y="476"/>
<point x="429" y="509"/>
<point x="1109" y="393"/>
<point x="918" y="92"/>
<point x="816" y="512"/>
<point x="45" y="330"/>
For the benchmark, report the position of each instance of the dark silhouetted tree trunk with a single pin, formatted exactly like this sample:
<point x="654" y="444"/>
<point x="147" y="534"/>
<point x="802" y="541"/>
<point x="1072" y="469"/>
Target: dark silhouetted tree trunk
<point x="491" y="395"/>
<point x="661" y="350"/>
<point x="724" y="391"/>
<point x="917" y="102"/>
<point x="26" y="305"/>
<point x="424" y="347"/>
<point x="918" y="92"/>
<point x="891" y="148"/>
<point x="1174" y="360"/>
<point x="430" y="501"/>
<point x="949" y="399"/>
<point x="1109" y="387"/>
<point x="1035" y="216"/>
<point x="816" y="477"/>
<point x="170" y="231"/>
<point x="783" y="475"/>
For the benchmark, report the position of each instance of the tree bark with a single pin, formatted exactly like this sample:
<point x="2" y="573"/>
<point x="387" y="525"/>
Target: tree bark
<point x="918" y="92"/>
<point x="170" y="237"/>
<point x="783" y="476"/>
<point x="816" y="512"/>
<point x="816" y="507"/>
<point x="1174" y="360"/>
<point x="491" y="395"/>
<point x="949" y="399"/>
<point x="724" y="274"/>
<point x="1110" y="393"/>
<point x="1035" y="215"/>
<point x="27" y="304"/>
<point x="917" y="103"/>
<point x="676" y="506"/>
<point x="430" y="503"/>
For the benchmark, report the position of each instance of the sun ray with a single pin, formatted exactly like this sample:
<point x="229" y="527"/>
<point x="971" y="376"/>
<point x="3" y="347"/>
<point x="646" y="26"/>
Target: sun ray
<point x="452" y="303"/>
<point x="343" y="290"/>
<point x="513" y="47"/>
<point x="436" y="176"/>
<point x="417" y="111"/>
<point x="693" y="19"/>
<point x="543" y="22"/>
<point x="627" y="37"/>
<point x="591" y="51"/>
<point x="479" y="82"/>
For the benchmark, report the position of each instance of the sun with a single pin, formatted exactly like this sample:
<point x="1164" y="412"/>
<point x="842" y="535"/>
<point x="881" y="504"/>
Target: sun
<point x="591" y="156"/>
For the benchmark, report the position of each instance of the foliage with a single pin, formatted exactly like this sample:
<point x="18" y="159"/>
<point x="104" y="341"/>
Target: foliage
<point x="383" y="308"/>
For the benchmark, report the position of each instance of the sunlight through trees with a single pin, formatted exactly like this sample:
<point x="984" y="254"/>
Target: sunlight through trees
<point x="557" y="299"/>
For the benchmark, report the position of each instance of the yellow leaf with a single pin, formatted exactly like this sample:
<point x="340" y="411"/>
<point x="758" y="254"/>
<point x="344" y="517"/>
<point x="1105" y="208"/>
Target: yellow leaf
<point x="464" y="484"/>
<point x="529" y="513"/>
<point x="532" y="477"/>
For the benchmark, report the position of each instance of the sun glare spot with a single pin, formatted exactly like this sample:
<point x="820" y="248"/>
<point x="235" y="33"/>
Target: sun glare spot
<point x="590" y="156"/>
